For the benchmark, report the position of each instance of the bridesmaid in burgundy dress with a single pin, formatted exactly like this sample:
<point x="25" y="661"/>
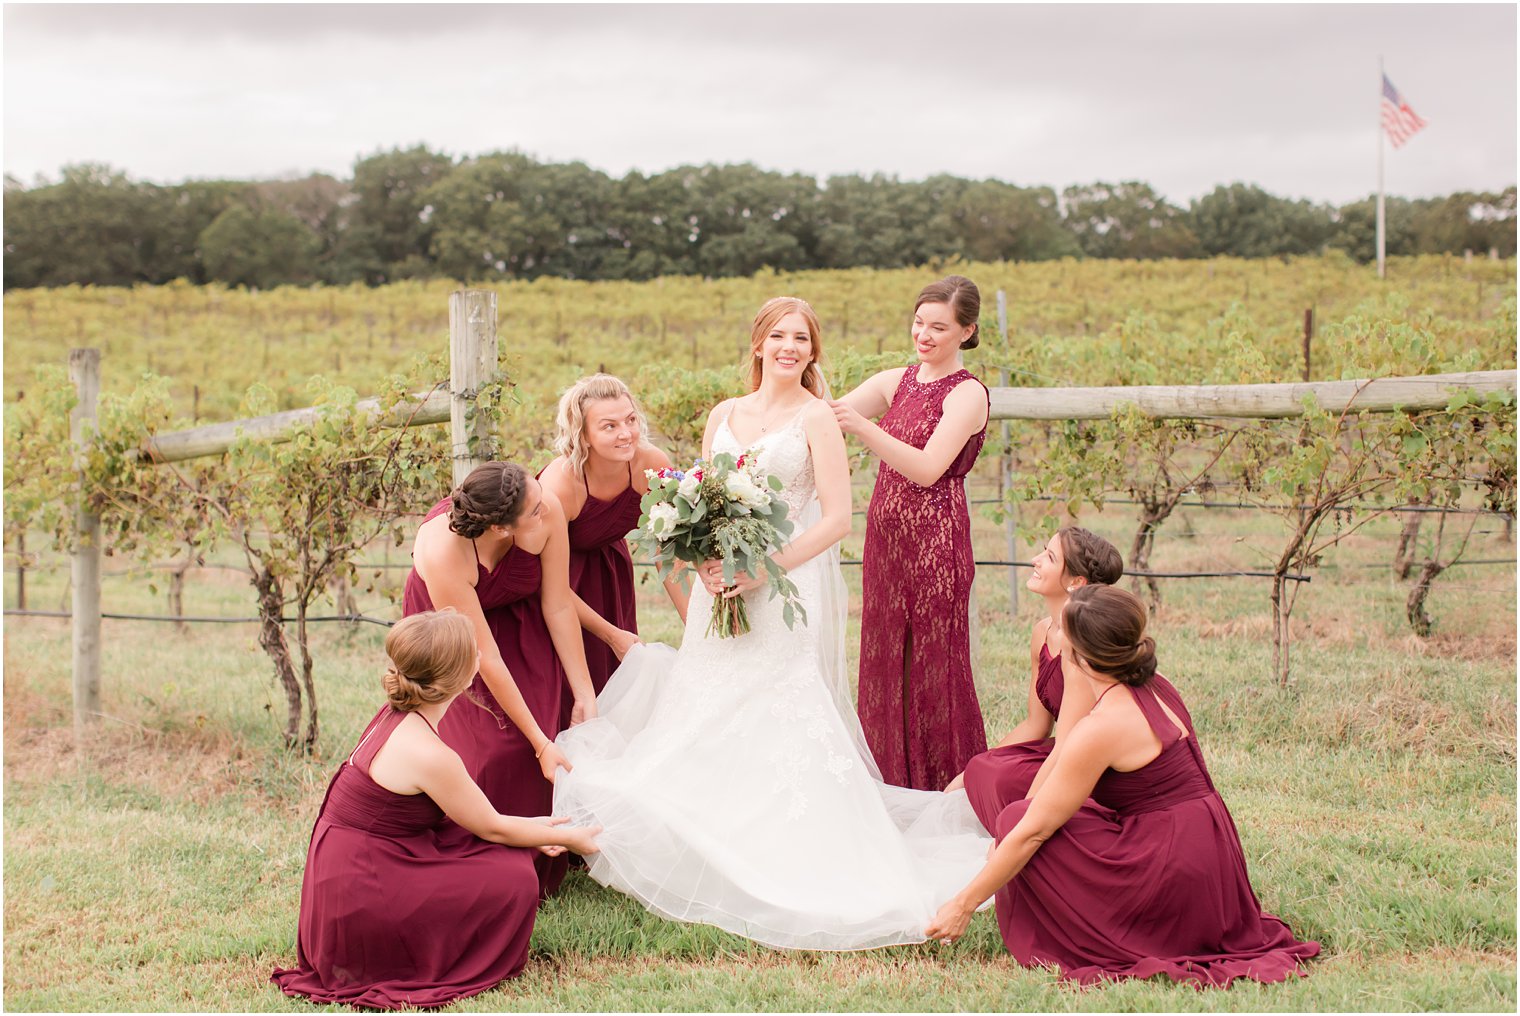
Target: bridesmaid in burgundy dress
<point x="1150" y="880"/>
<point x="917" y="698"/>
<point x="497" y="551"/>
<point x="1072" y="558"/>
<point x="394" y="912"/>
<point x="599" y="479"/>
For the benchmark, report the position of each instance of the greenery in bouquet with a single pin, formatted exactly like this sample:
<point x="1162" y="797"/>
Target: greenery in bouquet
<point x="726" y="510"/>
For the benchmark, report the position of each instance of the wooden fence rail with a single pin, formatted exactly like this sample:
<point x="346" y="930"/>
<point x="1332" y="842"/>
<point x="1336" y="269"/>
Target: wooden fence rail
<point x="473" y="357"/>
<point x="1247" y="402"/>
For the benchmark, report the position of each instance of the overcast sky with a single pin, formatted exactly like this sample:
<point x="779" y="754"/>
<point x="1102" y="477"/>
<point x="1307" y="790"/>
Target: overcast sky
<point x="1183" y="97"/>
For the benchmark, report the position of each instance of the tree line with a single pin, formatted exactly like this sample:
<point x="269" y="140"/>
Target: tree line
<point x="415" y="213"/>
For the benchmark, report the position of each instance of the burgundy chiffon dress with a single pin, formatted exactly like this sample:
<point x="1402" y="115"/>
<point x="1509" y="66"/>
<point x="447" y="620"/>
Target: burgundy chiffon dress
<point x="1158" y="885"/>
<point x="601" y="573"/>
<point x="998" y="777"/>
<point x="917" y="699"/>
<point x="499" y="758"/>
<point x="395" y="909"/>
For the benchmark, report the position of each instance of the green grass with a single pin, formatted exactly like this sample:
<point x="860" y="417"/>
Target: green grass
<point x="1375" y="798"/>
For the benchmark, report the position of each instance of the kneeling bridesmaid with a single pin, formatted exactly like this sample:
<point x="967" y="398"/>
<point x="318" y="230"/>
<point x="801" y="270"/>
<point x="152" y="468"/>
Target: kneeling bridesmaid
<point x="394" y="910"/>
<point x="1072" y="558"/>
<point x="1149" y="880"/>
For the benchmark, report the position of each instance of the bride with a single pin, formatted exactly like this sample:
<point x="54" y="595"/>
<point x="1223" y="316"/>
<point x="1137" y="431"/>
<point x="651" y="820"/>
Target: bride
<point x="731" y="777"/>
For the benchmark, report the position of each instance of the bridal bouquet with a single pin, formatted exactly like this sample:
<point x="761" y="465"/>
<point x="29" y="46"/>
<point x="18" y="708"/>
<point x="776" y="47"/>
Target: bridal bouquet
<point x="726" y="510"/>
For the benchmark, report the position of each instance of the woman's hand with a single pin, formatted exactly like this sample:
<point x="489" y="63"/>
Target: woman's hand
<point x="849" y="420"/>
<point x="581" y="839"/>
<point x="622" y="641"/>
<point x="552" y="760"/>
<point x="951" y="921"/>
<point x="710" y="572"/>
<point x="743" y="583"/>
<point x="584" y="709"/>
<point x="549" y="849"/>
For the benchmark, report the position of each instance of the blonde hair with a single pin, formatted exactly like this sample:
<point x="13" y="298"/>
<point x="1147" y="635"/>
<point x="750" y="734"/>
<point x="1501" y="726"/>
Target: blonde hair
<point x="570" y="421"/>
<point x="773" y="310"/>
<point x="432" y="658"/>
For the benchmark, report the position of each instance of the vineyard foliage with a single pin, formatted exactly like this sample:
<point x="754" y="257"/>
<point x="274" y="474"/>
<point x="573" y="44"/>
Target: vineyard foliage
<point x="178" y="355"/>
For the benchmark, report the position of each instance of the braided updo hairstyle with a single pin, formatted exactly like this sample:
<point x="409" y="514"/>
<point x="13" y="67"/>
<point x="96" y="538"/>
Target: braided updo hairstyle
<point x="432" y="658"/>
<point x="492" y="495"/>
<point x="1089" y="556"/>
<point x="1106" y="627"/>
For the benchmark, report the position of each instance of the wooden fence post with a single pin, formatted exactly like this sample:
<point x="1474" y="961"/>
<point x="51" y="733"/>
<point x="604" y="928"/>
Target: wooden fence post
<point x="472" y="365"/>
<point x="21" y="571"/>
<point x="84" y="371"/>
<point x="1005" y="475"/>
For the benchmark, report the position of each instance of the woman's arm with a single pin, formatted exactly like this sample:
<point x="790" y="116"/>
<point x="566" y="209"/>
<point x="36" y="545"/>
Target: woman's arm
<point x="655" y="458"/>
<point x="448" y="585"/>
<point x="679" y="597"/>
<point x="1088" y="754"/>
<point x="560" y="612"/>
<point x="965" y="414"/>
<point x="714" y="418"/>
<point x="442" y="776"/>
<point x="558" y="480"/>
<point x="616" y="639"/>
<point x="1038" y="722"/>
<point x="874" y="396"/>
<point x="1076" y="702"/>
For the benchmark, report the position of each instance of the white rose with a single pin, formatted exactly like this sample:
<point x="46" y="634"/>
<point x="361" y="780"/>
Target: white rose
<point x="662" y="520"/>
<point x="688" y="489"/>
<point x="744" y="490"/>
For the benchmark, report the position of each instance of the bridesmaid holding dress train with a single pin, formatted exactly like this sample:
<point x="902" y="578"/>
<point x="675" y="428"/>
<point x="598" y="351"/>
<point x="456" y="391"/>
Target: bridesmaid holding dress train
<point x="1146" y="878"/>
<point x="396" y="910"/>
<point x="917" y="699"/>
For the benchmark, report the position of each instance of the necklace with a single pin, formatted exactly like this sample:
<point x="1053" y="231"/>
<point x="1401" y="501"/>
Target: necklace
<point x="767" y="419"/>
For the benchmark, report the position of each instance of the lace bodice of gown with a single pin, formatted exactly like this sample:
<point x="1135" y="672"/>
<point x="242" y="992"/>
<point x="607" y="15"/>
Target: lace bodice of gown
<point x="784" y="454"/>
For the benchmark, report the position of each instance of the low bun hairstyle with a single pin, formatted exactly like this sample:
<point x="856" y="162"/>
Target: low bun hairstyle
<point x="1089" y="556"/>
<point x="492" y="495"/>
<point x="1106" y="628"/>
<point x="964" y="300"/>
<point x="432" y="658"/>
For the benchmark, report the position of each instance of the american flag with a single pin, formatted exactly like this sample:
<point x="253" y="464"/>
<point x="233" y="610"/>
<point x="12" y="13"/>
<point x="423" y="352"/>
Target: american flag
<point x="1399" y="120"/>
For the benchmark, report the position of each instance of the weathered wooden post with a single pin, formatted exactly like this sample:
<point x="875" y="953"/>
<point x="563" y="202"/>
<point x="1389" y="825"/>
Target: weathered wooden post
<point x="1005" y="476"/>
<point x="84" y="371"/>
<point x="472" y="365"/>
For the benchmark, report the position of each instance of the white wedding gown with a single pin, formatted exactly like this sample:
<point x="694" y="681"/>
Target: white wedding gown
<point x="732" y="782"/>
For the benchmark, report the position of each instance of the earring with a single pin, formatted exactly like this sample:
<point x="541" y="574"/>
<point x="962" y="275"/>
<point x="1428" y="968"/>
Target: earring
<point x="1071" y="589"/>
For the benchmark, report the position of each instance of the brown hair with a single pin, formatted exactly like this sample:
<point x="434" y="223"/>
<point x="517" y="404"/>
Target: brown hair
<point x="1106" y="627"/>
<point x="432" y="658"/>
<point x="492" y="495"/>
<point x="964" y="300"/>
<point x="773" y="310"/>
<point x="1089" y="556"/>
<point x="570" y="422"/>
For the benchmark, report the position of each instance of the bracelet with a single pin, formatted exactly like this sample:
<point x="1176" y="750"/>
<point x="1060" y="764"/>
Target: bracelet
<point x="540" y="753"/>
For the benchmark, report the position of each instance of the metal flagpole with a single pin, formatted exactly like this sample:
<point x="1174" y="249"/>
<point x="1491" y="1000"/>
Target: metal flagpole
<point x="1380" y="132"/>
